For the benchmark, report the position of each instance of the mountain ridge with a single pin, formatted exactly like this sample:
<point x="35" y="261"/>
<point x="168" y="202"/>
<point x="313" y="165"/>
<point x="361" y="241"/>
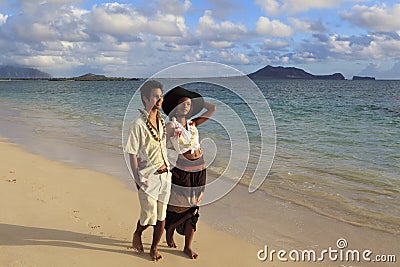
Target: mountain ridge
<point x="270" y="73"/>
<point x="16" y="72"/>
<point x="266" y="73"/>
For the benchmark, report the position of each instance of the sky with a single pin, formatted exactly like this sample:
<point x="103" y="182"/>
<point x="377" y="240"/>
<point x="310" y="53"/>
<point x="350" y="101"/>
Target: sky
<point x="124" y="38"/>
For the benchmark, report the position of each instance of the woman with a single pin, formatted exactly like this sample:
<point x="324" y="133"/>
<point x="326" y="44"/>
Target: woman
<point x="189" y="173"/>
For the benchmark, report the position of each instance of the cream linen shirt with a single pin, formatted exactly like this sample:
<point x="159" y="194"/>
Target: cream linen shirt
<point x="142" y="144"/>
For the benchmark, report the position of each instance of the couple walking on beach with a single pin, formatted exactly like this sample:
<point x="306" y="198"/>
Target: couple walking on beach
<point x="169" y="198"/>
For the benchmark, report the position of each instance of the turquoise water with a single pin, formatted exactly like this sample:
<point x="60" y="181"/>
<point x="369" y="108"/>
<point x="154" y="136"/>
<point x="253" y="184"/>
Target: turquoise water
<point x="337" y="151"/>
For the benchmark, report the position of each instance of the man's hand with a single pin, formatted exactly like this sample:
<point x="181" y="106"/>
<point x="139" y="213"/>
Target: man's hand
<point x="141" y="163"/>
<point x="142" y="185"/>
<point x="136" y="164"/>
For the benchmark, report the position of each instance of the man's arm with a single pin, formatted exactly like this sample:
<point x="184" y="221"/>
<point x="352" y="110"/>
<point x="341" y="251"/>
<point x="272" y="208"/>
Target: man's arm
<point x="135" y="170"/>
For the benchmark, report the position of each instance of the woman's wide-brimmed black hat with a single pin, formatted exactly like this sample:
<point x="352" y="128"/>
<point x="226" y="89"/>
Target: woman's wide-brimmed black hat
<point x="171" y="99"/>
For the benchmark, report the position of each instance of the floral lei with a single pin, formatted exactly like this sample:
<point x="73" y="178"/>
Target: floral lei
<point x="178" y="133"/>
<point x="150" y="126"/>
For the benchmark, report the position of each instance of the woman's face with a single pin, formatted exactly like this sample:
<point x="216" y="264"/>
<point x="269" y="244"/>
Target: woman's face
<point x="184" y="105"/>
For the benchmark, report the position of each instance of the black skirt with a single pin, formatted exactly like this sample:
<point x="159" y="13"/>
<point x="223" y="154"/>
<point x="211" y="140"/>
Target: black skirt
<point x="173" y="217"/>
<point x="188" y="178"/>
<point x="186" y="185"/>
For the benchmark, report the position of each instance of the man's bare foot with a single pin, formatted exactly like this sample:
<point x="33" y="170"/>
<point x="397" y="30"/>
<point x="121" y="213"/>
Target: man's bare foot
<point x="170" y="237"/>
<point x="137" y="243"/>
<point x="155" y="256"/>
<point x="190" y="253"/>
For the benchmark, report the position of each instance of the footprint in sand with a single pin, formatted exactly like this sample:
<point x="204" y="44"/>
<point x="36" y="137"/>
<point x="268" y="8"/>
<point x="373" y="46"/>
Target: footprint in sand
<point x="75" y="216"/>
<point x="93" y="226"/>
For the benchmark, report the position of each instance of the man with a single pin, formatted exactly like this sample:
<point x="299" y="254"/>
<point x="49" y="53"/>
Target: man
<point x="146" y="146"/>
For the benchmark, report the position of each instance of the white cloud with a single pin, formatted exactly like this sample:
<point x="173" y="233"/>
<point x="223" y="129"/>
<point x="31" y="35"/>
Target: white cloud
<point x="382" y="47"/>
<point x="44" y="24"/>
<point x="172" y="47"/>
<point x="391" y="48"/>
<point x="108" y="60"/>
<point x="307" y="26"/>
<point x="49" y="1"/>
<point x="195" y="55"/>
<point x="304" y="57"/>
<point x="234" y="58"/>
<point x="351" y="49"/>
<point x="275" y="7"/>
<point x="3" y="18"/>
<point x="285" y="60"/>
<point x="35" y="32"/>
<point x="294" y="6"/>
<point x="375" y="18"/>
<point x="274" y="44"/>
<point x="273" y="28"/>
<point x="116" y="19"/>
<point x="377" y="69"/>
<point x="220" y="44"/>
<point x="166" y="25"/>
<point x="373" y="50"/>
<point x="377" y="46"/>
<point x="270" y="7"/>
<point x="120" y="19"/>
<point x="119" y="39"/>
<point x="44" y="61"/>
<point x="174" y="7"/>
<point x="224" y="8"/>
<point x="209" y="30"/>
<point x="339" y="46"/>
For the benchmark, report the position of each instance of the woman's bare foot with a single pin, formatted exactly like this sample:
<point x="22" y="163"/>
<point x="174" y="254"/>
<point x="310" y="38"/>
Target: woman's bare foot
<point x="155" y="256"/>
<point x="137" y="243"/>
<point x="170" y="237"/>
<point x="190" y="253"/>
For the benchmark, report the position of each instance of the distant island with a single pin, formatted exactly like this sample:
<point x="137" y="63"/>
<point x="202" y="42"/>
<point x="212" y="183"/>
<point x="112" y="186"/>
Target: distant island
<point x="355" y="78"/>
<point x="23" y="73"/>
<point x="271" y="73"/>
<point x="266" y="73"/>
<point x="93" y="77"/>
<point x="16" y="72"/>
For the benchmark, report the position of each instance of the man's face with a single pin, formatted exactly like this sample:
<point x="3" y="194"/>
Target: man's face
<point x="155" y="99"/>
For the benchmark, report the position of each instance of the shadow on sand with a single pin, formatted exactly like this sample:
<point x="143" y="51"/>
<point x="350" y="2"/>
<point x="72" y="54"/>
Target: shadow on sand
<point x="17" y="235"/>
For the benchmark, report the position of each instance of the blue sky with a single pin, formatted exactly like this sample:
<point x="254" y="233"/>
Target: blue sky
<point x="139" y="38"/>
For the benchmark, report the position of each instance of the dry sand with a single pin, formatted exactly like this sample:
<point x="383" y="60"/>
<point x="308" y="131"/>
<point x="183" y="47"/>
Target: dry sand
<point x="54" y="214"/>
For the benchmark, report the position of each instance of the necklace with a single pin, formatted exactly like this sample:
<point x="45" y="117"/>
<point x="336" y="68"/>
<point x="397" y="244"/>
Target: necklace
<point x="178" y="133"/>
<point x="152" y="129"/>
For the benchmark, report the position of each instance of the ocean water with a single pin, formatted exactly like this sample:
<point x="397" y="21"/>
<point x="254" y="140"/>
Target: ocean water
<point x="337" y="142"/>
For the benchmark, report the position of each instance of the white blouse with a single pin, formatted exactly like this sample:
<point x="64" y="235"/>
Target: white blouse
<point x="184" y="139"/>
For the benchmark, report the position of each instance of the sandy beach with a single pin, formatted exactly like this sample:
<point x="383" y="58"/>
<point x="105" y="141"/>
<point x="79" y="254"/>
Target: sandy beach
<point x="56" y="214"/>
